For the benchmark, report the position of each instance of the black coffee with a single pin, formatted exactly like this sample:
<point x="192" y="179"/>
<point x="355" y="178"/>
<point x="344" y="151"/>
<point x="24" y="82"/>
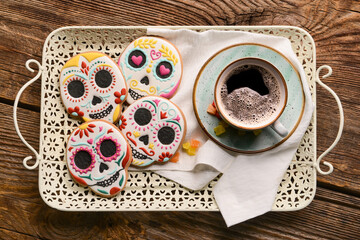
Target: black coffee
<point x="250" y="95"/>
<point x="251" y="78"/>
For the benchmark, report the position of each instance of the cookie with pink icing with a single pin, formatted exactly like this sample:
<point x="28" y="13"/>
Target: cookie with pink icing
<point x="92" y="87"/>
<point x="98" y="156"/>
<point x="151" y="66"/>
<point x="154" y="128"/>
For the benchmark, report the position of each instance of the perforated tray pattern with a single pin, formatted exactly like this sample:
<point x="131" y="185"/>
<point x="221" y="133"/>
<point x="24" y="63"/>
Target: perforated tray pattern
<point x="145" y="190"/>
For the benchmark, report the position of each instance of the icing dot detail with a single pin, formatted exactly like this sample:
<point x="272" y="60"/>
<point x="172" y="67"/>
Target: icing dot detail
<point x="108" y="148"/>
<point x="82" y="160"/>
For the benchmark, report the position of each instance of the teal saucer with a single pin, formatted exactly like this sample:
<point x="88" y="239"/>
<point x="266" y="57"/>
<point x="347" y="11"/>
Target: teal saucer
<point x="203" y="95"/>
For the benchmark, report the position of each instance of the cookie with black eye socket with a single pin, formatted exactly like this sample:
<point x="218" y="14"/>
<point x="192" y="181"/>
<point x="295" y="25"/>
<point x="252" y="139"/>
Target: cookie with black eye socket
<point x="92" y="87"/>
<point x="98" y="156"/>
<point x="155" y="128"/>
<point x="151" y="66"/>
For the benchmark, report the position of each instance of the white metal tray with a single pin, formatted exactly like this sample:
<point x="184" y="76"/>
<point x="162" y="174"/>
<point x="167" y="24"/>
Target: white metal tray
<point x="146" y="190"/>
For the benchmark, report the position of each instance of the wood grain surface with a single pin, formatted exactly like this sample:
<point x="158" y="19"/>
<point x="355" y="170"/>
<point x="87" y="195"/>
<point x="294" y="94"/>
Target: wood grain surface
<point x="335" y="211"/>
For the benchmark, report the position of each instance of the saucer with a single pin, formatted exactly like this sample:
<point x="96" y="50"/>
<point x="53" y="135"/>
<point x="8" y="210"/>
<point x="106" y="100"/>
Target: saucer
<point x="203" y="95"/>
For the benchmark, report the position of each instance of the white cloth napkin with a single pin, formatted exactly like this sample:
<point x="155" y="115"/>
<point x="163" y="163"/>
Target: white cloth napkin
<point x="249" y="183"/>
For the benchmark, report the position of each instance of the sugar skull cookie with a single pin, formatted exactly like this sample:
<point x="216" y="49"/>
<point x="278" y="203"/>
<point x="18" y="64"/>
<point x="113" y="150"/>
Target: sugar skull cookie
<point x="98" y="156"/>
<point x="151" y="66"/>
<point x="154" y="128"/>
<point x="92" y="87"/>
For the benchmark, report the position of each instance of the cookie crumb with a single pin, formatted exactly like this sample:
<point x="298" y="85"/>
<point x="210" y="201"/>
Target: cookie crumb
<point x="191" y="151"/>
<point x="175" y="158"/>
<point x="186" y="146"/>
<point x="191" y="147"/>
<point x="219" y="129"/>
<point x="194" y="143"/>
<point x="211" y="110"/>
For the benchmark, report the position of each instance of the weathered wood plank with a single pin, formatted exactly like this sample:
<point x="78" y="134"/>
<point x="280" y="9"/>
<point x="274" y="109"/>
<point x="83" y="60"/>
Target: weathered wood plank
<point x="339" y="48"/>
<point x="335" y="27"/>
<point x="6" y="234"/>
<point x="28" y="24"/>
<point x="345" y="156"/>
<point x="326" y="216"/>
<point x="20" y="201"/>
<point x="14" y="178"/>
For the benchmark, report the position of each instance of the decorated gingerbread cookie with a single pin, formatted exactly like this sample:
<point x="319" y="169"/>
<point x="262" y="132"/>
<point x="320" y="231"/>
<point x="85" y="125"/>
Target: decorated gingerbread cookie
<point x="154" y="128"/>
<point x="98" y="156"/>
<point x="151" y="66"/>
<point x="92" y="87"/>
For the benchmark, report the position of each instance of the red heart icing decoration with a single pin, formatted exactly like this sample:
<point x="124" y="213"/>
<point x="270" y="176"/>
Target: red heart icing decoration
<point x="90" y="141"/>
<point x="155" y="55"/>
<point x="137" y="60"/>
<point x="164" y="70"/>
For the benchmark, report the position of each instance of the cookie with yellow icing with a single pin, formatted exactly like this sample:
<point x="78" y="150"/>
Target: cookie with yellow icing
<point x="151" y="66"/>
<point x="92" y="87"/>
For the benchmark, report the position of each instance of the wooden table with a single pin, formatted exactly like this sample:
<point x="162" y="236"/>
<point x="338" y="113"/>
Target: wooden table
<point x="335" y="211"/>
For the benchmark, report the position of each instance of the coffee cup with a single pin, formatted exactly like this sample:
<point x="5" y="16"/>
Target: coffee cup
<point x="251" y="94"/>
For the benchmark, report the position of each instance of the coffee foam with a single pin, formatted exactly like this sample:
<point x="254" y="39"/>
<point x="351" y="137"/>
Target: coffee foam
<point x="248" y="107"/>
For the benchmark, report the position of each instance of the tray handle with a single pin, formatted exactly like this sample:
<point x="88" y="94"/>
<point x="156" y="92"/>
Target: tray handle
<point x="341" y="124"/>
<point x="26" y="159"/>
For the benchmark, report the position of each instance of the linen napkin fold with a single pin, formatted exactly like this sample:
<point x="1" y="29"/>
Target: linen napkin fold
<point x="249" y="183"/>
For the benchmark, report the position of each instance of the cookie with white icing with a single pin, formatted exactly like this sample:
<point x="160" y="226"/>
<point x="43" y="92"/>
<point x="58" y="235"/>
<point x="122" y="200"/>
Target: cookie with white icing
<point x="154" y="128"/>
<point x="98" y="156"/>
<point x="92" y="87"/>
<point x="151" y="66"/>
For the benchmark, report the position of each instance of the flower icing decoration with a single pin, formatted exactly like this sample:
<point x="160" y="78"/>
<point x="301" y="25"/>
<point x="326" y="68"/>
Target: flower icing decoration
<point x="122" y="123"/>
<point x="151" y="66"/>
<point x="93" y="87"/>
<point x="75" y="112"/>
<point x="164" y="157"/>
<point x="84" y="129"/>
<point x="155" y="128"/>
<point x="120" y="96"/>
<point x="98" y="156"/>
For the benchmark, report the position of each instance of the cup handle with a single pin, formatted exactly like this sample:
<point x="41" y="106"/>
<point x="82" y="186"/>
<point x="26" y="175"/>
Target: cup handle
<point x="279" y="128"/>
